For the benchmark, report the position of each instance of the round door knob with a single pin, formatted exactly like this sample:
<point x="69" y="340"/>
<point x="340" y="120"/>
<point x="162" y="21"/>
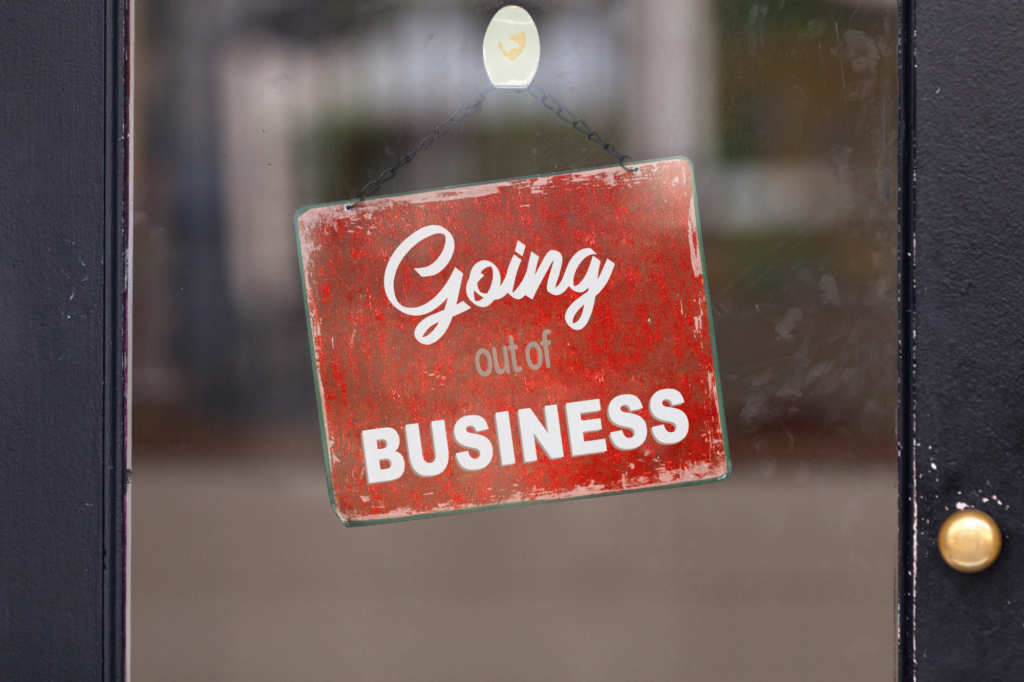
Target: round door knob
<point x="970" y="540"/>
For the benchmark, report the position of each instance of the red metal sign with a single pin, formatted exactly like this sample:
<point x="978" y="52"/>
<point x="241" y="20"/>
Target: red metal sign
<point x="534" y="339"/>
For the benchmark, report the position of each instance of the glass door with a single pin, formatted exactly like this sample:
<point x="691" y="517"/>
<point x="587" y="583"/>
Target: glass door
<point x="786" y="570"/>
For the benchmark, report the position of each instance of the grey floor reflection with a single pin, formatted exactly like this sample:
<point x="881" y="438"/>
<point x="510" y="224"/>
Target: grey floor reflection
<point x="244" y="573"/>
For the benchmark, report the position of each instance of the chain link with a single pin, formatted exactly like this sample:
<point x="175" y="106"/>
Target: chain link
<point x="578" y="124"/>
<point x="441" y="130"/>
<point x="465" y="110"/>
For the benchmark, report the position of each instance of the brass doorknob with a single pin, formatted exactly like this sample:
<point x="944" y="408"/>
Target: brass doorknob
<point x="970" y="540"/>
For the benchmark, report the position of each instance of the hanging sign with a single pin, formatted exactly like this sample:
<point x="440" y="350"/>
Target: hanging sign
<point x="498" y="344"/>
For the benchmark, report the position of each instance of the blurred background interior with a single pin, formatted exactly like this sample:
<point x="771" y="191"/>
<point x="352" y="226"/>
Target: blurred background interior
<point x="246" y="110"/>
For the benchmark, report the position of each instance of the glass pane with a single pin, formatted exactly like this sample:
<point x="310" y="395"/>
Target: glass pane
<point x="247" y="111"/>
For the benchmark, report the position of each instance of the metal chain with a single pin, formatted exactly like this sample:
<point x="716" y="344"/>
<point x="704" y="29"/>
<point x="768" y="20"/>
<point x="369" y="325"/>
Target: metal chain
<point x="465" y="110"/>
<point x="440" y="131"/>
<point x="579" y="124"/>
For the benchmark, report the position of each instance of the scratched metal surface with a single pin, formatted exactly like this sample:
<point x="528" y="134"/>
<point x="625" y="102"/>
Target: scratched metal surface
<point x="962" y="380"/>
<point x="649" y="330"/>
<point x="63" y="338"/>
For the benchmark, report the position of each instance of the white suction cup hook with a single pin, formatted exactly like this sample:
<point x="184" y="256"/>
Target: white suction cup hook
<point x="511" y="48"/>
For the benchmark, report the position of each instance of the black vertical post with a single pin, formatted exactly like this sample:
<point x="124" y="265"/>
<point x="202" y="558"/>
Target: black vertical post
<point x="905" y="422"/>
<point x="963" y="333"/>
<point x="63" y="291"/>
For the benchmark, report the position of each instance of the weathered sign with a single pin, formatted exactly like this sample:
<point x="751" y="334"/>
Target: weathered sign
<point x="533" y="339"/>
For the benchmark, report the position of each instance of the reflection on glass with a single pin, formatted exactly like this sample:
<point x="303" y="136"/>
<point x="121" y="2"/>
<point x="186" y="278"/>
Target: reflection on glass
<point x="246" y="111"/>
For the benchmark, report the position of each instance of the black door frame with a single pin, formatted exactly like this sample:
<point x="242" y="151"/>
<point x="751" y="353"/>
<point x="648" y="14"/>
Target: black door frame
<point x="64" y="298"/>
<point x="64" y="179"/>
<point x="961" y="333"/>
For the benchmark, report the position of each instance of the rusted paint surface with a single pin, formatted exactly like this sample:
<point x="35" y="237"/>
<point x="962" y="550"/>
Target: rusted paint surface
<point x="649" y="329"/>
